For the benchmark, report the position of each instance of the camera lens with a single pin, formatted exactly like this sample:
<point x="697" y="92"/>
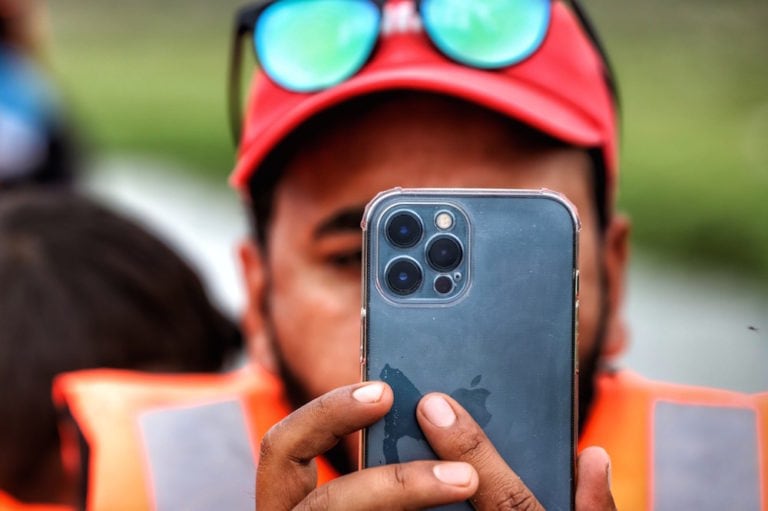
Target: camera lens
<point x="443" y="284"/>
<point x="404" y="229"/>
<point x="444" y="253"/>
<point x="404" y="276"/>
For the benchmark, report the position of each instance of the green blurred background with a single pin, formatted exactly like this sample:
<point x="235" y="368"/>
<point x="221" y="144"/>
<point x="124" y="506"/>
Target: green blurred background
<point x="149" y="78"/>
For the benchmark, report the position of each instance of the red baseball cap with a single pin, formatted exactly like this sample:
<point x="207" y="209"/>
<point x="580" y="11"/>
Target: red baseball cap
<point x="560" y="90"/>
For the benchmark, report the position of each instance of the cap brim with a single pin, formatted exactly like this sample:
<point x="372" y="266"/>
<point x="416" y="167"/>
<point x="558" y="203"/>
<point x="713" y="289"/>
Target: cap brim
<point x="513" y="97"/>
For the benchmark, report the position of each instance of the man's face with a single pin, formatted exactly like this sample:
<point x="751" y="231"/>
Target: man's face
<point x="308" y="283"/>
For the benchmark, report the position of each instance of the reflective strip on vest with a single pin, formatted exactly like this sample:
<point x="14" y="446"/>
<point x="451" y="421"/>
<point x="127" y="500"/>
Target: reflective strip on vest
<point x="200" y="457"/>
<point x="705" y="458"/>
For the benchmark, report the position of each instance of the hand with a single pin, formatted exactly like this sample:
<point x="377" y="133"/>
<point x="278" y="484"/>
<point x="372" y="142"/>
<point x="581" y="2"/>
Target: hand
<point x="287" y="477"/>
<point x="454" y="435"/>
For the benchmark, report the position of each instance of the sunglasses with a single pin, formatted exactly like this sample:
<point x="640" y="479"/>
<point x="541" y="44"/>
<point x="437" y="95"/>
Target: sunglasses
<point x="310" y="45"/>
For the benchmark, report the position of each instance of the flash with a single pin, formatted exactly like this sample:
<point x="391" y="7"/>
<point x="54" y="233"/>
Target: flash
<point x="444" y="221"/>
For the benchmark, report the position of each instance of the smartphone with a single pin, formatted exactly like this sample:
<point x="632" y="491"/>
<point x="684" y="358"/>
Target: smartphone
<point x="474" y="293"/>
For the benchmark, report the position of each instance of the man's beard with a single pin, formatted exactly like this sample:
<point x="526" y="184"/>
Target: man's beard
<point x="339" y="457"/>
<point x="589" y="367"/>
<point x="297" y="395"/>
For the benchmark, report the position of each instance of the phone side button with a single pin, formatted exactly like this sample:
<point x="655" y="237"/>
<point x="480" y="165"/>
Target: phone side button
<point x="363" y="336"/>
<point x="576" y="282"/>
<point x="576" y="330"/>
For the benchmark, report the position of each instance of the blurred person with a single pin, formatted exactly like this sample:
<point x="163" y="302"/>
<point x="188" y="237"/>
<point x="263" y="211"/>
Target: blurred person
<point x="82" y="287"/>
<point x="19" y="23"/>
<point x="36" y="143"/>
<point x="318" y="142"/>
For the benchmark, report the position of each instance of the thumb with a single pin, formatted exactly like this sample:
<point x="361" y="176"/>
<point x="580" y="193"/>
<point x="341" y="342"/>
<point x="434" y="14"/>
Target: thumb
<point x="593" y="485"/>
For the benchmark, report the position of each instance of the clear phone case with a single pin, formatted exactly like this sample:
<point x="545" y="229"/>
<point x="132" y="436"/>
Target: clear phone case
<point x="495" y="329"/>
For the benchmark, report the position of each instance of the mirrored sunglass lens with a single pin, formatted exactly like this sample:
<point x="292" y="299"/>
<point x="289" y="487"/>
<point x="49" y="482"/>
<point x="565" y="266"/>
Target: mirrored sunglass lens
<point x="308" y="45"/>
<point x="487" y="33"/>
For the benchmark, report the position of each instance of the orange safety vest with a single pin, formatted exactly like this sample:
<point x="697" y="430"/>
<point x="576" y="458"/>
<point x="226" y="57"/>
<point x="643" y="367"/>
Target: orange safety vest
<point x="8" y="503"/>
<point x="677" y="447"/>
<point x="178" y="442"/>
<point x="173" y="441"/>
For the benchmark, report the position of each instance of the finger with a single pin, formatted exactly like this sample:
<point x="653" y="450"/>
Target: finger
<point x="593" y="486"/>
<point x="454" y="435"/>
<point x="415" y="485"/>
<point x="286" y="472"/>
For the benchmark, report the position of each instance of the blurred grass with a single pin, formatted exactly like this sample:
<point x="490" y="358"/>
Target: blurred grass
<point x="694" y="78"/>
<point x="149" y="77"/>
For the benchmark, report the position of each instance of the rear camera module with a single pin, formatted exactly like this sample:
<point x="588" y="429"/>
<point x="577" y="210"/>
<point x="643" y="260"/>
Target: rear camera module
<point x="404" y="229"/>
<point x="404" y="276"/>
<point x="444" y="253"/>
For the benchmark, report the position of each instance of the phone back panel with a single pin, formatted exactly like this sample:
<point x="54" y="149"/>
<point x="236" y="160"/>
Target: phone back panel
<point x="503" y="344"/>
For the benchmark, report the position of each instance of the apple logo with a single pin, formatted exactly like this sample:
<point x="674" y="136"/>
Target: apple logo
<point x="473" y="401"/>
<point x="400" y="422"/>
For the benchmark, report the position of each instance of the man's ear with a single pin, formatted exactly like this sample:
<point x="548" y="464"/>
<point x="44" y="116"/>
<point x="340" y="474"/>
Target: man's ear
<point x="254" y="323"/>
<point x="615" y="260"/>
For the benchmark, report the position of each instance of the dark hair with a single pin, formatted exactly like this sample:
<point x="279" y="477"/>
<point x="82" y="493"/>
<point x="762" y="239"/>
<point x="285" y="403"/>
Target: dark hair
<point x="263" y="183"/>
<point x="81" y="287"/>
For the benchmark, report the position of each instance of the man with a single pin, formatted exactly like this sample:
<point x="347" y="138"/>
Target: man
<point x="359" y="97"/>
<point x="307" y="189"/>
<point x="308" y="194"/>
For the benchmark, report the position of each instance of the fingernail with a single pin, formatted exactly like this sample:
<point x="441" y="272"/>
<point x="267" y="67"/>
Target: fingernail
<point x="439" y="412"/>
<point x="455" y="474"/>
<point x="608" y="473"/>
<point x="369" y="394"/>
